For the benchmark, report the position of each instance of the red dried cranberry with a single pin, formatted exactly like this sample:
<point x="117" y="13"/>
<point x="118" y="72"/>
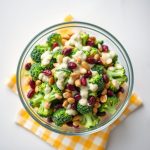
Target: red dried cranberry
<point x="90" y="43"/>
<point x="91" y="60"/>
<point x="47" y="72"/>
<point x="88" y="74"/>
<point x="58" y="106"/>
<point x="32" y="84"/>
<point x="121" y="89"/>
<point x="77" y="97"/>
<point x="83" y="81"/>
<point x="105" y="78"/>
<point x="91" y="100"/>
<point x="49" y="119"/>
<point x="104" y="48"/>
<point x="55" y="44"/>
<point x="27" y="66"/>
<point x="110" y="93"/>
<point x="67" y="51"/>
<point x="70" y="123"/>
<point x="74" y="106"/>
<point x="31" y="93"/>
<point x="72" y="65"/>
<point x="99" y="62"/>
<point x="71" y="87"/>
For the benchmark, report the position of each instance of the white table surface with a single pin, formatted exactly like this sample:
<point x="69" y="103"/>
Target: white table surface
<point x="128" y="20"/>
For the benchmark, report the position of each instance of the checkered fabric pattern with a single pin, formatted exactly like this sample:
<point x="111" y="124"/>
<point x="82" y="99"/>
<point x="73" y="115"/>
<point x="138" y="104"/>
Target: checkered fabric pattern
<point x="96" y="141"/>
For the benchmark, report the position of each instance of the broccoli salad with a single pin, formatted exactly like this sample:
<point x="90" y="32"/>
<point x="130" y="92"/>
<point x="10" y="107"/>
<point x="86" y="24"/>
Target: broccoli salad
<point x="74" y="80"/>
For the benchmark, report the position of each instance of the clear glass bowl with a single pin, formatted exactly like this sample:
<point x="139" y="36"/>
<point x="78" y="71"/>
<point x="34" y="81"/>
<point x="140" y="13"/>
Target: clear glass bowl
<point x="93" y="30"/>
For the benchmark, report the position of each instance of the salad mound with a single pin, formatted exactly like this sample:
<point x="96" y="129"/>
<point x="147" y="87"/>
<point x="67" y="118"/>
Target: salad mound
<point x="74" y="80"/>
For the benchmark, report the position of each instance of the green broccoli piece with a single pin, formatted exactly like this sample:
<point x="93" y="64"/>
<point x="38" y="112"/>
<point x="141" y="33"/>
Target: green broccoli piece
<point x="87" y="53"/>
<point x="89" y="120"/>
<point x="99" y="68"/>
<point x="99" y="42"/>
<point x="93" y="51"/>
<point x="35" y="70"/>
<point x="42" y="87"/>
<point x="115" y="59"/>
<point x="84" y="37"/>
<point x="91" y="93"/>
<point x="37" y="52"/>
<point x="44" y="112"/>
<point x="52" y="95"/>
<point x="36" y="100"/>
<point x="97" y="79"/>
<point x="57" y="53"/>
<point x="74" y="50"/>
<point x="54" y="37"/>
<point x="83" y="109"/>
<point x="60" y="117"/>
<point x="110" y="105"/>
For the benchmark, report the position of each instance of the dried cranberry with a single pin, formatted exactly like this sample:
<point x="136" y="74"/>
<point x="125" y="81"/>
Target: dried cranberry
<point x="88" y="74"/>
<point x="121" y="89"/>
<point x="74" y="106"/>
<point x="70" y="123"/>
<point x="31" y="93"/>
<point x="27" y="66"/>
<point x="72" y="65"/>
<point x="110" y="93"/>
<point x="90" y="43"/>
<point x="83" y="81"/>
<point x="58" y="106"/>
<point x="55" y="44"/>
<point x="91" y="60"/>
<point x="71" y="87"/>
<point x="49" y="119"/>
<point x="47" y="72"/>
<point x="91" y="100"/>
<point x="99" y="62"/>
<point x="67" y="51"/>
<point x="105" y="78"/>
<point x="32" y="84"/>
<point x="101" y="113"/>
<point x="77" y="97"/>
<point x="104" y="48"/>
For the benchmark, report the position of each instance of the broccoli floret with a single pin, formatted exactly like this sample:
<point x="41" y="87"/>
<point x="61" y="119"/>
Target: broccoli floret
<point x="55" y="37"/>
<point x="93" y="51"/>
<point x="99" y="42"/>
<point x="87" y="53"/>
<point x="74" y="50"/>
<point x="36" y="100"/>
<point x="84" y="37"/>
<point x="89" y="120"/>
<point x="60" y="117"/>
<point x="98" y="68"/>
<point x="35" y="70"/>
<point x="57" y="53"/>
<point x="97" y="79"/>
<point x="42" y="87"/>
<point x="115" y="59"/>
<point x="83" y="109"/>
<point x="38" y="51"/>
<point x="91" y="93"/>
<point x="44" y="112"/>
<point x="109" y="105"/>
<point x="52" y="95"/>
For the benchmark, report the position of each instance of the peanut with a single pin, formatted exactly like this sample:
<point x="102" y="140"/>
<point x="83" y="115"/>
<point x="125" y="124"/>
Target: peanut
<point x="38" y="82"/>
<point x="95" y="110"/>
<point x="107" y="85"/>
<point x="67" y="90"/>
<point x="71" y="100"/>
<point x="78" y="60"/>
<point x="85" y="65"/>
<point x="75" y="75"/>
<point x="76" y="123"/>
<point x="65" y="103"/>
<point x="67" y="95"/>
<point x="77" y="83"/>
<point x="58" y="96"/>
<point x="104" y="92"/>
<point x="60" y="59"/>
<point x="36" y="89"/>
<point x="97" y="57"/>
<point x="66" y="36"/>
<point x="103" y="98"/>
<point x="77" y="118"/>
<point x="83" y="71"/>
<point x="47" y="105"/>
<point x="97" y="105"/>
<point x="51" y="80"/>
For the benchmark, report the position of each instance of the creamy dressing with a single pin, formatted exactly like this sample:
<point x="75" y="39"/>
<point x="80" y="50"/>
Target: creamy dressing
<point x="86" y="48"/>
<point x="43" y="77"/>
<point x="46" y="58"/>
<point x="71" y="112"/>
<point x="79" y="55"/>
<point x="94" y="73"/>
<point x="47" y="89"/>
<point x="70" y="80"/>
<point x="93" y="87"/>
<point x="84" y="95"/>
<point x="115" y="83"/>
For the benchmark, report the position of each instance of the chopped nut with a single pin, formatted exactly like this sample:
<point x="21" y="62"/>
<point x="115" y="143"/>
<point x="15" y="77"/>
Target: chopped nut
<point x="47" y="105"/>
<point x="36" y="89"/>
<point x="103" y="98"/>
<point x="77" y="118"/>
<point x="76" y="123"/>
<point x="78" y="60"/>
<point x="85" y="65"/>
<point x="70" y="34"/>
<point x="83" y="71"/>
<point x="75" y="75"/>
<point x="95" y="110"/>
<point x="58" y="96"/>
<point x="51" y="80"/>
<point x="104" y="92"/>
<point x="97" y="57"/>
<point x="107" y="85"/>
<point x="65" y="103"/>
<point x="71" y="100"/>
<point x="60" y="59"/>
<point x="66" y="36"/>
<point x="38" y="82"/>
<point x="67" y="90"/>
<point x="99" y="47"/>
<point x="121" y="96"/>
<point x="77" y="83"/>
<point x="97" y="105"/>
<point x="67" y="94"/>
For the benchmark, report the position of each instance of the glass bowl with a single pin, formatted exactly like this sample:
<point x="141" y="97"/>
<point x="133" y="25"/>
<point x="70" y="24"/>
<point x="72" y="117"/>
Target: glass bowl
<point x="93" y="30"/>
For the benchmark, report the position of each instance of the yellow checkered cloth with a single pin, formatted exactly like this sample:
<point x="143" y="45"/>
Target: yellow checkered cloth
<point x="96" y="141"/>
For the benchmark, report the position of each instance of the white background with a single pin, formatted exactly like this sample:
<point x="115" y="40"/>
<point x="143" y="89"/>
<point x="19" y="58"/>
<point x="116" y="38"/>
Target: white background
<point x="128" y="20"/>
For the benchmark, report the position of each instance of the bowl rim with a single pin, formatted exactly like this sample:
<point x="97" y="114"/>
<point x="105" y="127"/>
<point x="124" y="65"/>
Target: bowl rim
<point x="116" y="116"/>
